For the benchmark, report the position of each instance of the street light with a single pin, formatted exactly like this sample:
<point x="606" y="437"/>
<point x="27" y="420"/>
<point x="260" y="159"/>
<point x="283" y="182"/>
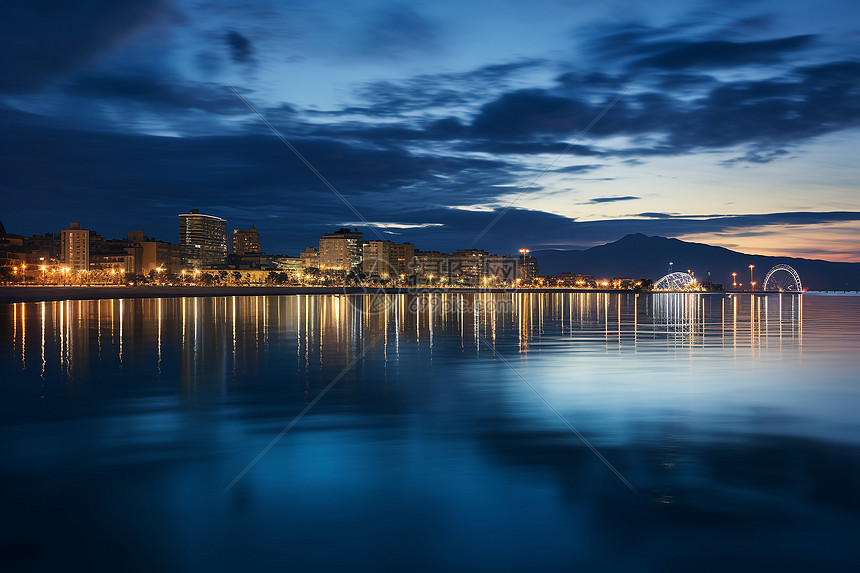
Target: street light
<point x="734" y="280"/>
<point x="751" y="276"/>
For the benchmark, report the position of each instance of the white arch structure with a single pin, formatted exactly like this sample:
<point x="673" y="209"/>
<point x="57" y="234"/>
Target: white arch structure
<point x="782" y="282"/>
<point x="674" y="282"/>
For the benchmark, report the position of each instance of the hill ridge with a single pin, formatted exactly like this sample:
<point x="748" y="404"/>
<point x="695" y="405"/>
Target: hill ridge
<point x="637" y="255"/>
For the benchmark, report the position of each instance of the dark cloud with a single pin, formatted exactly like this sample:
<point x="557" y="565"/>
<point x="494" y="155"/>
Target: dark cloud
<point x="527" y="112"/>
<point x="577" y="168"/>
<point x="653" y="215"/>
<point x="757" y="157"/>
<point x="157" y="92"/>
<point x="230" y="175"/>
<point x="240" y="47"/>
<point x="720" y="54"/>
<point x="805" y="102"/>
<point x="426" y="92"/>
<point x="499" y="147"/>
<point x="41" y="40"/>
<point x="612" y="199"/>
<point x="691" y="46"/>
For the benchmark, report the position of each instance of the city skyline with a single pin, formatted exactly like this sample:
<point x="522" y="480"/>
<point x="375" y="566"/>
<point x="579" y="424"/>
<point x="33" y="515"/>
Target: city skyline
<point x="737" y="127"/>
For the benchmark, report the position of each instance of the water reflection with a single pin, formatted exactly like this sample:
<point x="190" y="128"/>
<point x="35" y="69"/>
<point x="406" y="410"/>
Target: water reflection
<point x="124" y="420"/>
<point x="220" y="337"/>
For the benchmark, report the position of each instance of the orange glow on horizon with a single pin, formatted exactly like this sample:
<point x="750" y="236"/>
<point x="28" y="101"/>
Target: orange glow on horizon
<point x="837" y="242"/>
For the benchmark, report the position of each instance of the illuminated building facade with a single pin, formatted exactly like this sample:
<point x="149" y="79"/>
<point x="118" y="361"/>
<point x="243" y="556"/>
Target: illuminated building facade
<point x="467" y="267"/>
<point x="75" y="248"/>
<point x="202" y="240"/>
<point x="341" y="251"/>
<point x="157" y="255"/>
<point x="310" y="258"/>
<point x="431" y="264"/>
<point x="376" y="258"/>
<point x="403" y="258"/>
<point x="385" y="258"/>
<point x="290" y="265"/>
<point x="246" y="241"/>
<point x="528" y="268"/>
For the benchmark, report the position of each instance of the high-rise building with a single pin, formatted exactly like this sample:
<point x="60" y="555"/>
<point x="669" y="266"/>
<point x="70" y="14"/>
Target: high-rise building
<point x="403" y="258"/>
<point x="527" y="268"/>
<point x="341" y="251"/>
<point x="500" y="268"/>
<point x="385" y="258"/>
<point x="160" y="257"/>
<point x="467" y="265"/>
<point x="432" y="265"/>
<point x="246" y="241"/>
<point x="476" y="267"/>
<point x="75" y="248"/>
<point x="202" y="240"/>
<point x="376" y="258"/>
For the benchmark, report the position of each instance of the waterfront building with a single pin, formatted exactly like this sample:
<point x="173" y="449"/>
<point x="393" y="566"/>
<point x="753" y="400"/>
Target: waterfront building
<point x="246" y="241"/>
<point x="376" y="258"/>
<point x="527" y="268"/>
<point x="341" y="251"/>
<point x="467" y="266"/>
<point x="202" y="240"/>
<point x="310" y="258"/>
<point x="252" y="261"/>
<point x="403" y="258"/>
<point x="290" y="265"/>
<point x="500" y="269"/>
<point x="431" y="264"/>
<point x="161" y="257"/>
<point x="472" y="267"/>
<point x="386" y="258"/>
<point x="75" y="248"/>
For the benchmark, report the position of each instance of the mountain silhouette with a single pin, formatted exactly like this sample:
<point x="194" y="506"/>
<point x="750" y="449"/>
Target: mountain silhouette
<point x="640" y="256"/>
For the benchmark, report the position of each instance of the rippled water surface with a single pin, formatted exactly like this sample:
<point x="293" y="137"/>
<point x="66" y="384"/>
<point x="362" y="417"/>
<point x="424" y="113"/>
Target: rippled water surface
<point x="451" y="432"/>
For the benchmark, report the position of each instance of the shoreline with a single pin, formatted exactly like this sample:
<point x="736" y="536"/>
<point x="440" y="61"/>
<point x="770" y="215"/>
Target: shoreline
<point x="16" y="294"/>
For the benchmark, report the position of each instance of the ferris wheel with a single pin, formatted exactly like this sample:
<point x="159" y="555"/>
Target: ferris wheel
<point x="782" y="278"/>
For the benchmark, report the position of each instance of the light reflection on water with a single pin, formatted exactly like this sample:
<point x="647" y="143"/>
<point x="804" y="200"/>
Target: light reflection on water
<point x="336" y="326"/>
<point x="735" y="416"/>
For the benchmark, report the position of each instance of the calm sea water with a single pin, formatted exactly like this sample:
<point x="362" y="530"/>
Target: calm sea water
<point x="460" y="432"/>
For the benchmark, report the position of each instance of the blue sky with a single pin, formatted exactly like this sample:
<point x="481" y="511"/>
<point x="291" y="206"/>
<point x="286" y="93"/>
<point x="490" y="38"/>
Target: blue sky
<point x="738" y="127"/>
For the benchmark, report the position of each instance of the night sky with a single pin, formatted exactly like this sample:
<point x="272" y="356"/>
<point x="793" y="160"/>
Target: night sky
<point x="739" y="126"/>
